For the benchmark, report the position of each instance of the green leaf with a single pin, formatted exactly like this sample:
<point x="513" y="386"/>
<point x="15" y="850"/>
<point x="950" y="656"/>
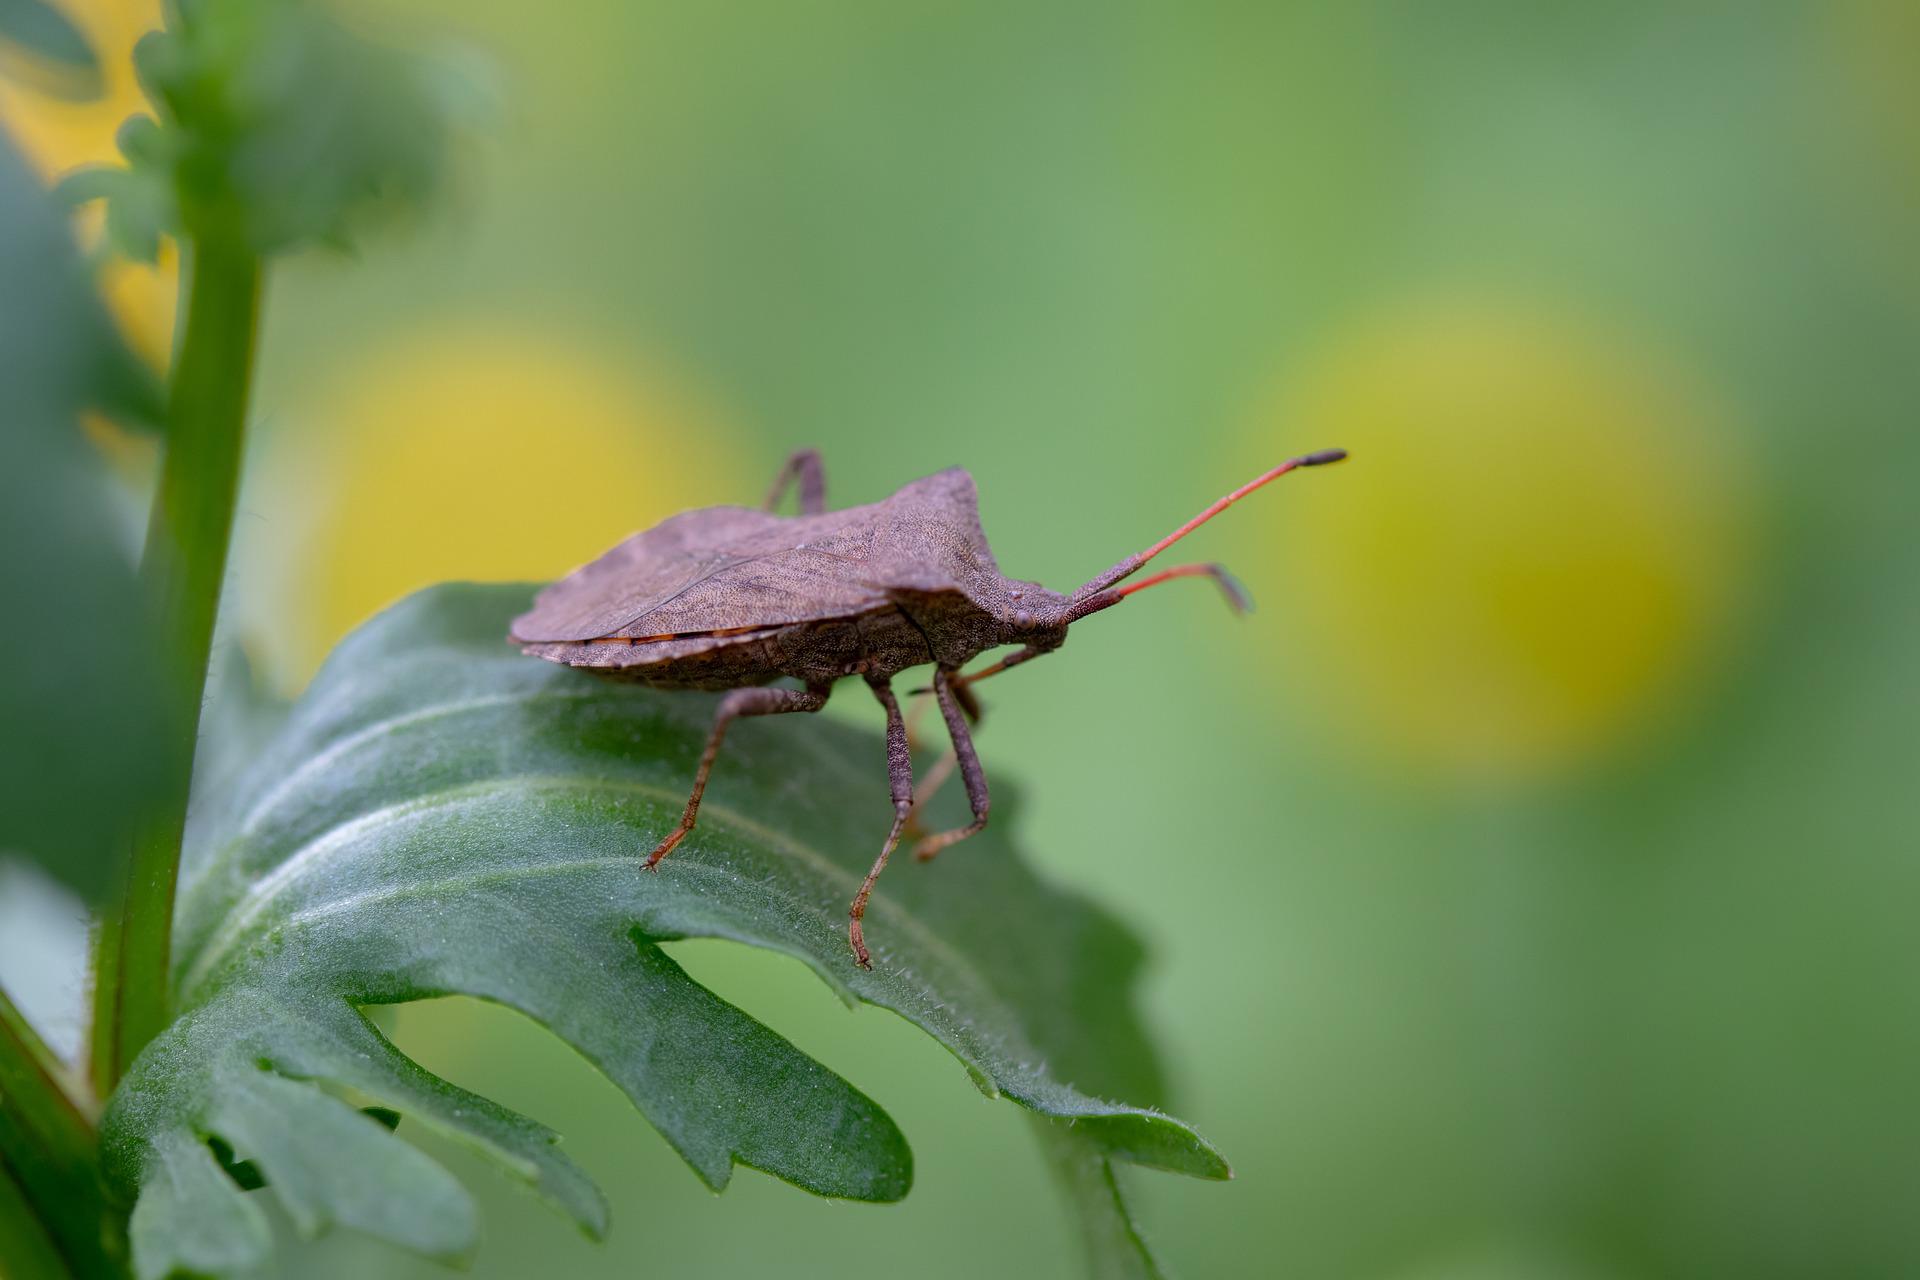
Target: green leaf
<point x="29" y="1251"/>
<point x="139" y="201"/>
<point x="442" y="815"/>
<point x="84" y="740"/>
<point x="276" y="127"/>
<point x="192" y="1218"/>
<point x="61" y="62"/>
<point x="246" y="1174"/>
<point x="50" y="1197"/>
<point x="1110" y="1239"/>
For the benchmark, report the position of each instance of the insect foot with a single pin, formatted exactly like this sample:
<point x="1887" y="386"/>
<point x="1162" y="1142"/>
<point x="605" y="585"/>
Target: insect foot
<point x="664" y="848"/>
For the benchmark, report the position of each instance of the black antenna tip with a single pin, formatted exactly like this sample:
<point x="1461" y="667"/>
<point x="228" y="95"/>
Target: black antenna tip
<point x="1323" y="457"/>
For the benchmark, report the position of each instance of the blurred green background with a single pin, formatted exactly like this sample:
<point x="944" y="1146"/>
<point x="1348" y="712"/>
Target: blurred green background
<point x="1532" y="880"/>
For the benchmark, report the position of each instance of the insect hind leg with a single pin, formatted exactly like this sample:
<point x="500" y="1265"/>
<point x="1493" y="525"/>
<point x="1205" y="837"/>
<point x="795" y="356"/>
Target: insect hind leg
<point x="806" y="468"/>
<point x="970" y="771"/>
<point x="741" y="702"/>
<point x="900" y="787"/>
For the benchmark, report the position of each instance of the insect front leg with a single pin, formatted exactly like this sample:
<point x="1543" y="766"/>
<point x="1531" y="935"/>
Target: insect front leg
<point x="741" y="702"/>
<point x="900" y="786"/>
<point x="927" y="788"/>
<point x="928" y="784"/>
<point x="970" y="771"/>
<point x="964" y="684"/>
<point x="806" y="467"/>
<point x="963" y="692"/>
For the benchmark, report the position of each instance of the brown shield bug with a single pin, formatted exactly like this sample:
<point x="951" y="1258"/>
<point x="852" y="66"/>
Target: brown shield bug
<point x="733" y="597"/>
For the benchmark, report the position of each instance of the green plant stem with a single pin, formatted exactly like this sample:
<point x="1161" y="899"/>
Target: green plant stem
<point x="1110" y="1240"/>
<point x="184" y="566"/>
<point x="51" y="1209"/>
<point x="29" y="1252"/>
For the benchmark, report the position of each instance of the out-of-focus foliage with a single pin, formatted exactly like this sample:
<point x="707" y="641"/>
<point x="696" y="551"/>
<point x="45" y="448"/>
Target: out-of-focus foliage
<point x="1611" y="983"/>
<point x="440" y="815"/>
<point x="275" y="127"/>
<point x="1606" y="979"/>
<point x="58" y="58"/>
<point x="81" y="741"/>
<point x="58" y="134"/>
<point x="533" y="449"/>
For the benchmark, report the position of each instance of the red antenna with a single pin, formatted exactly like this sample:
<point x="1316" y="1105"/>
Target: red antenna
<point x="1096" y="595"/>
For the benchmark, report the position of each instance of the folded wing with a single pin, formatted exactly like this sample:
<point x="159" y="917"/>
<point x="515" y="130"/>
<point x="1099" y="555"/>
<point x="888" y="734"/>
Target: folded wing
<point x="713" y="570"/>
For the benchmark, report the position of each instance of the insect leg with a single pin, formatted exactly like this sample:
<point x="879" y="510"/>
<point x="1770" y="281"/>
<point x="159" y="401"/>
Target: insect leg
<point x="928" y="787"/>
<point x="804" y="466"/>
<point x="970" y="771"/>
<point x="741" y="702"/>
<point x="936" y="777"/>
<point x="900" y="786"/>
<point x="969" y="704"/>
<point x="968" y="679"/>
<point x="963" y="692"/>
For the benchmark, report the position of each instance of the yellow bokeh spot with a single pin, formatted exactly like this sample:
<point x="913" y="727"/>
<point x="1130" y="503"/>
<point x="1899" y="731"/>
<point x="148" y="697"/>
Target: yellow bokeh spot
<point x="58" y="135"/>
<point x="1538" y="540"/>
<point x="492" y="457"/>
<point x="141" y="298"/>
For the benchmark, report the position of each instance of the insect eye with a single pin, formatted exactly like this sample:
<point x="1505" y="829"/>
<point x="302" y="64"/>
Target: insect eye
<point x="1022" y="618"/>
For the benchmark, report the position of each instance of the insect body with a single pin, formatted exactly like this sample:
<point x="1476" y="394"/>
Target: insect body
<point x="733" y="598"/>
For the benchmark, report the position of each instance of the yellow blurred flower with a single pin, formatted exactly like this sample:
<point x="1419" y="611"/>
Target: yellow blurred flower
<point x="140" y="296"/>
<point x="1539" y="539"/>
<point x="58" y="135"/>
<point x="461" y="455"/>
